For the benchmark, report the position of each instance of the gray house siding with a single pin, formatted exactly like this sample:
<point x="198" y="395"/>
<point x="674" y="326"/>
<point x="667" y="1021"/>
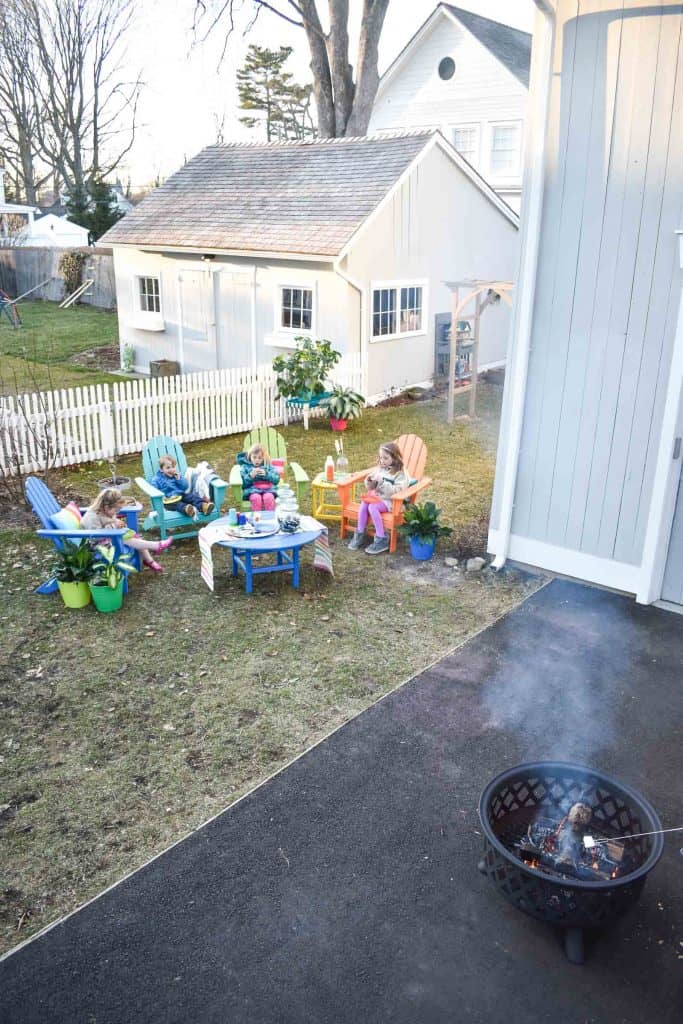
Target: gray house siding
<point x="608" y="286"/>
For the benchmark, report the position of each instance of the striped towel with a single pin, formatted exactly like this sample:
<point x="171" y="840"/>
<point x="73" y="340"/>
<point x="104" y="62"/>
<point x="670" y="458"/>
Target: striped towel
<point x="322" y="556"/>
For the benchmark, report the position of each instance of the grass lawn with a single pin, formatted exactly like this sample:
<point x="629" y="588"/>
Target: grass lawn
<point x="119" y="734"/>
<point x="38" y="353"/>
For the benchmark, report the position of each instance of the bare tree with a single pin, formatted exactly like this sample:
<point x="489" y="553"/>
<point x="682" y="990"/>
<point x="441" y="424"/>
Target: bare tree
<point x="18" y="107"/>
<point x="343" y="105"/>
<point x="88" y="108"/>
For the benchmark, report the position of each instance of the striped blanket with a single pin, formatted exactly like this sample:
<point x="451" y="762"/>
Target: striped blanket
<point x="215" y="532"/>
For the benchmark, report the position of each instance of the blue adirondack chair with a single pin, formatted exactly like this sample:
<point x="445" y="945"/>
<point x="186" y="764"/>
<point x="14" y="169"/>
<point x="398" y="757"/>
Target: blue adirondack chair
<point x="162" y="518"/>
<point x="45" y="505"/>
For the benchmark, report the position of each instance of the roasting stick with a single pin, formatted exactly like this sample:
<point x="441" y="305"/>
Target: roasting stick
<point x="589" y="842"/>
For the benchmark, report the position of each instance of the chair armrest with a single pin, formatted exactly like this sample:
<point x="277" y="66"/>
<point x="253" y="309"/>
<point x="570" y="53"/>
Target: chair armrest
<point x="101" y="534"/>
<point x="300" y="474"/>
<point x="131" y="516"/>
<point x="218" y="489"/>
<point x="408" y="493"/>
<point x="147" y="488"/>
<point x="235" y="477"/>
<point x="346" y="486"/>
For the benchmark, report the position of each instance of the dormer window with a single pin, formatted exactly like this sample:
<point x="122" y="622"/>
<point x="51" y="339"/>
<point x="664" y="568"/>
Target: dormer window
<point x="446" y="68"/>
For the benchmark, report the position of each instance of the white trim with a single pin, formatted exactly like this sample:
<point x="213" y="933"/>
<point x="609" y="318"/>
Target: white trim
<point x="251" y="254"/>
<point x="139" y="311"/>
<point x="567" y="562"/>
<point x="508" y="173"/>
<point x="520" y="328"/>
<point x="410" y="282"/>
<point x="407" y="50"/>
<point x="466" y="126"/>
<point x="667" y="472"/>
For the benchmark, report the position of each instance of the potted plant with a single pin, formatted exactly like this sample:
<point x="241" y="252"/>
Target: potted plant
<point x="301" y="376"/>
<point x="72" y="571"/>
<point x="421" y="526"/>
<point x="106" y="578"/>
<point x="343" y="404"/>
<point x="121" y="483"/>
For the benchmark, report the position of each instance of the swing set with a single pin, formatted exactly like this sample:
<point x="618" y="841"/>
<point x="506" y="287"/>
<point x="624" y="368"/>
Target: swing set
<point x="8" y="306"/>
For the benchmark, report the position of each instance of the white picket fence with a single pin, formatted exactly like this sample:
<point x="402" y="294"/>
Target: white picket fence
<point x="101" y="421"/>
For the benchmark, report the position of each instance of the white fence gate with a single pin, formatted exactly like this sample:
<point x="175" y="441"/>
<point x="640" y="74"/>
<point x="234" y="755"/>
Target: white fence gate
<point x="101" y="421"/>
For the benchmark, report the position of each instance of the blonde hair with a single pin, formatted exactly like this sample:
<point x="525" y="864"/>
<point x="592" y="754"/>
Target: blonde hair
<point x="167" y="458"/>
<point x="108" y="498"/>
<point x="258" y="448"/>
<point x="394" y="452"/>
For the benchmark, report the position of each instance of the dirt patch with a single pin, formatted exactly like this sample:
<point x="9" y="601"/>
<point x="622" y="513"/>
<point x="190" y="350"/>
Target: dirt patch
<point x="105" y="358"/>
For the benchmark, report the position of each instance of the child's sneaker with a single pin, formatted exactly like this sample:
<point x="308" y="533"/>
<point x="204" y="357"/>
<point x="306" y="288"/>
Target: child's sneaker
<point x="378" y="545"/>
<point x="207" y="507"/>
<point x="190" y="511"/>
<point x="356" y="542"/>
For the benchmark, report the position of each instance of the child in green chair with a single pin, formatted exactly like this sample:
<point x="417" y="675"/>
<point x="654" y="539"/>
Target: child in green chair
<point x="259" y="478"/>
<point x="175" y="490"/>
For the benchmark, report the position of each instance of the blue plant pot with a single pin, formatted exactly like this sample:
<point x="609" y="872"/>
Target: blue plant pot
<point x="422" y="550"/>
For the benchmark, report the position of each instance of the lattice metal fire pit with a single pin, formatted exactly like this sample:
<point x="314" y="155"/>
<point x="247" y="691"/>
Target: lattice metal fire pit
<point x="554" y="845"/>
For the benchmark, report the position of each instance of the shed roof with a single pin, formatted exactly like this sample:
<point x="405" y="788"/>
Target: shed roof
<point x="301" y="197"/>
<point x="510" y="46"/>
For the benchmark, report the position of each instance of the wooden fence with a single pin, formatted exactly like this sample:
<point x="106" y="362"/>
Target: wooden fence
<point x="102" y="421"/>
<point x="23" y="267"/>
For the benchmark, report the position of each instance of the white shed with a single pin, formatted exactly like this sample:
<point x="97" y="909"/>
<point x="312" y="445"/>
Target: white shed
<point x="589" y="461"/>
<point x="50" y="230"/>
<point x="249" y="245"/>
<point x="469" y="77"/>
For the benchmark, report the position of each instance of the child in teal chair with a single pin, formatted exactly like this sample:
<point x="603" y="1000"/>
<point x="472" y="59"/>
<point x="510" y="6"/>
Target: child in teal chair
<point x="175" y="489"/>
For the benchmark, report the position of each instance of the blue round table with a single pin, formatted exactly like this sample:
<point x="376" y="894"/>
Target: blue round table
<point x="285" y="547"/>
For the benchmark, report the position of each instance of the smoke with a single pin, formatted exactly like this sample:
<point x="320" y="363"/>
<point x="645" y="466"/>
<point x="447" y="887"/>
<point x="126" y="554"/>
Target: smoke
<point x="560" y="698"/>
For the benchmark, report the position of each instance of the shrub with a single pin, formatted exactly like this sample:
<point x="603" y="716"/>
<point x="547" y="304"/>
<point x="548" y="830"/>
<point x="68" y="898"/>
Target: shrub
<point x="71" y="269"/>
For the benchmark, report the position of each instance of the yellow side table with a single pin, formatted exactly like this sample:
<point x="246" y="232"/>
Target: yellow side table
<point x="325" y="501"/>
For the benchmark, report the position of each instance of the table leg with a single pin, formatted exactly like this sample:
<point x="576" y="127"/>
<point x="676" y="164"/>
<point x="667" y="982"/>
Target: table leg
<point x="234" y="562"/>
<point x="247" y="572"/>
<point x="295" y="568"/>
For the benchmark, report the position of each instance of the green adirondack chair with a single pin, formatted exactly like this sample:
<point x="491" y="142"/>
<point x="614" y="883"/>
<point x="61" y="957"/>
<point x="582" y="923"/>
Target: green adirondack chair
<point x="274" y="444"/>
<point x="161" y="517"/>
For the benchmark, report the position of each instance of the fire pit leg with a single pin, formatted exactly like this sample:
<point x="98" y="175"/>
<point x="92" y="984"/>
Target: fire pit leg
<point x="573" y="945"/>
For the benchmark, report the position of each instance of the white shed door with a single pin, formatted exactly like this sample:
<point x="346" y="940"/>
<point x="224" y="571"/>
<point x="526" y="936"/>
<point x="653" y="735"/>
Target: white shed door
<point x="234" y="303"/>
<point x="197" y="321"/>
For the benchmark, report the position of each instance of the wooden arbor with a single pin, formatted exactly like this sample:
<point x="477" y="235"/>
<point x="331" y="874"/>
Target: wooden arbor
<point x="482" y="293"/>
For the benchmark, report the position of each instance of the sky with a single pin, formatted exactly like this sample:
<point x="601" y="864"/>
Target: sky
<point x="188" y="89"/>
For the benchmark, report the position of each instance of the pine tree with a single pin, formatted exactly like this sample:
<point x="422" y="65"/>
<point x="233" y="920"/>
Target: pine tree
<point x="283" y="104"/>
<point x="103" y="209"/>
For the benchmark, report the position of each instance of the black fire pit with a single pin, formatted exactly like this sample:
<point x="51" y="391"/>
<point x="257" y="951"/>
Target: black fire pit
<point x="545" y="867"/>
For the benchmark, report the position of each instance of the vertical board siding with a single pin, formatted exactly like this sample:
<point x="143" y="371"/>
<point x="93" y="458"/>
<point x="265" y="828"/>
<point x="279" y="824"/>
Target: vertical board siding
<point x="606" y="283"/>
<point x="75" y="425"/>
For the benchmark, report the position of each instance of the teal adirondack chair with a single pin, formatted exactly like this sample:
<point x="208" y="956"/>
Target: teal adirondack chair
<point x="160" y="517"/>
<point x="274" y="444"/>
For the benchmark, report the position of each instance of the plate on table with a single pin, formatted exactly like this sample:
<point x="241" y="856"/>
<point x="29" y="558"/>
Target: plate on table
<point x="247" y="532"/>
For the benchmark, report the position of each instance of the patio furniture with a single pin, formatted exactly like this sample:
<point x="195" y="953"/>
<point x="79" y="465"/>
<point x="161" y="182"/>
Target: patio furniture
<point x="161" y="517"/>
<point x="414" y="452"/>
<point x="285" y="547"/>
<point x="276" y="447"/>
<point x="306" y="404"/>
<point x="45" y="506"/>
<point x="325" y="499"/>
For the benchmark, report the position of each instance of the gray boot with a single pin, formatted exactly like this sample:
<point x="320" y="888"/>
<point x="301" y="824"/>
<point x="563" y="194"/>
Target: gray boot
<point x="356" y="542"/>
<point x="378" y="545"/>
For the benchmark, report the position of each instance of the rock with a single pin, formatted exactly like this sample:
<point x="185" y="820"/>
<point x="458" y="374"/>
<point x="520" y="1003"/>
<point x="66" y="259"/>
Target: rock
<point x="475" y="564"/>
<point x="452" y="562"/>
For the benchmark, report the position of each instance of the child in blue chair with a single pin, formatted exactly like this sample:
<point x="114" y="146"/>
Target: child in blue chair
<point x="175" y="490"/>
<point x="103" y="514"/>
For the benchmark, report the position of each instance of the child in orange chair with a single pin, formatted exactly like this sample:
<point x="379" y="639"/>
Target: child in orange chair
<point x="381" y="484"/>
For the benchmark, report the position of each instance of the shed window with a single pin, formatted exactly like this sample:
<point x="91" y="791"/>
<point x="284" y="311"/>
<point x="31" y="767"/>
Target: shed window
<point x="297" y="309"/>
<point x="150" y="298"/>
<point x="396" y="310"/>
<point x="505" y="148"/>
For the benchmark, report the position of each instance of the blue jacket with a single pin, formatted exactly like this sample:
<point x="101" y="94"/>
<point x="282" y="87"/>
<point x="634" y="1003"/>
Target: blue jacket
<point x="168" y="485"/>
<point x="246" y="467"/>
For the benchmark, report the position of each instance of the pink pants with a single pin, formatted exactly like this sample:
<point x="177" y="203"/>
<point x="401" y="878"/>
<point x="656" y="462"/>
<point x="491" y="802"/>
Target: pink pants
<point x="374" y="509"/>
<point x="262" y="501"/>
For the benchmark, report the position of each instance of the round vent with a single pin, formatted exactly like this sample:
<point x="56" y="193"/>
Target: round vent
<point x="446" y="68"/>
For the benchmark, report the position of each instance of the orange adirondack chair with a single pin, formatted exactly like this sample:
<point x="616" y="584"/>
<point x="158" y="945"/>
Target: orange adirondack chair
<point x="414" y="452"/>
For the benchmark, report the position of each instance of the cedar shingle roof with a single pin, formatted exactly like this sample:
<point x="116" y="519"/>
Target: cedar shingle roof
<point x="304" y="197"/>
<point x="510" y="46"/>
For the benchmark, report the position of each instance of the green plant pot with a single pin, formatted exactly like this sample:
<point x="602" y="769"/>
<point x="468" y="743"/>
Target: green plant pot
<point x="105" y="599"/>
<point x="74" y="595"/>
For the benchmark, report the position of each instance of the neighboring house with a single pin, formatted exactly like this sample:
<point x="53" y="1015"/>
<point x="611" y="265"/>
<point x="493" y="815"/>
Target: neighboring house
<point x="249" y="245"/>
<point x="10" y="211"/>
<point x="51" y="230"/>
<point x="123" y="204"/>
<point x="589" y="461"/>
<point x="469" y="77"/>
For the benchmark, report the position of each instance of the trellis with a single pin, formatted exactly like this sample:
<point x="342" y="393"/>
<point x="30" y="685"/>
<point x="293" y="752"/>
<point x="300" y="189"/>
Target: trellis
<point x="483" y="294"/>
